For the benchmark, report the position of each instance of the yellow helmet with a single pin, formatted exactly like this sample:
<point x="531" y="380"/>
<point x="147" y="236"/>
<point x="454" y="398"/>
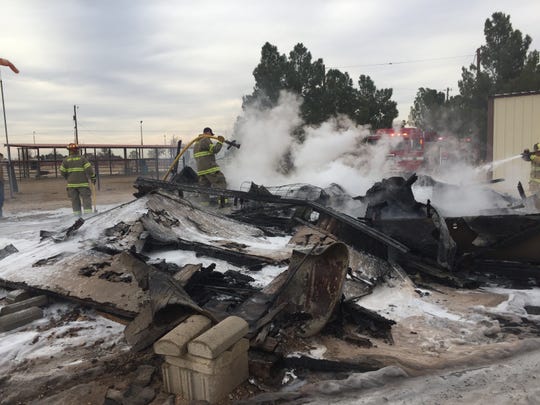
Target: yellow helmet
<point x="72" y="146"/>
<point x="536" y="146"/>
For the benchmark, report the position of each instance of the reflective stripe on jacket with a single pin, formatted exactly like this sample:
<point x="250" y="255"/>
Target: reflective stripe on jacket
<point x="204" y="152"/>
<point x="77" y="170"/>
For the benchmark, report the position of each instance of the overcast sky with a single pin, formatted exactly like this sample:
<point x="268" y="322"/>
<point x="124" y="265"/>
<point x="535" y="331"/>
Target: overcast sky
<point x="182" y="65"/>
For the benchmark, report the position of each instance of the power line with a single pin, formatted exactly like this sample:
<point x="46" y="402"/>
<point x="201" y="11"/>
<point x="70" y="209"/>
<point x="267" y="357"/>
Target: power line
<point x="403" y="62"/>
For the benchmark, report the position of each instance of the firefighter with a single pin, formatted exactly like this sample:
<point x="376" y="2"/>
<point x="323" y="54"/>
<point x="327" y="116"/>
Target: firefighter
<point x="204" y="151"/>
<point x="534" y="158"/>
<point x="78" y="172"/>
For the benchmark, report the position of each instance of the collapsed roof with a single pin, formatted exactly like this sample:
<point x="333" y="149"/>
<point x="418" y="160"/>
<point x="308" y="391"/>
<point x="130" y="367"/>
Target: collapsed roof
<point x="329" y="261"/>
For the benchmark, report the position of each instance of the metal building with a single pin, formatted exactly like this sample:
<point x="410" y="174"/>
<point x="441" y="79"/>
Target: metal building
<point x="513" y="125"/>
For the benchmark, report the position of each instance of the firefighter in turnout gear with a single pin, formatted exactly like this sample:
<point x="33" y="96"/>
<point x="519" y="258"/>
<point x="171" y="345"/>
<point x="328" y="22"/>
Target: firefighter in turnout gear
<point x="78" y="172"/>
<point x="204" y="151"/>
<point x="534" y="158"/>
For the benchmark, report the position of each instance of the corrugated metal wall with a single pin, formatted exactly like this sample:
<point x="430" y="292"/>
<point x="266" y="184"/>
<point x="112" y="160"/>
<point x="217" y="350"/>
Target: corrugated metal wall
<point x="516" y="126"/>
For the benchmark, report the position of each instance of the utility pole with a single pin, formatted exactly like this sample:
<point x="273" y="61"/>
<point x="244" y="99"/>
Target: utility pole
<point x="34" y="136"/>
<point x="142" y="143"/>
<point x="75" y="119"/>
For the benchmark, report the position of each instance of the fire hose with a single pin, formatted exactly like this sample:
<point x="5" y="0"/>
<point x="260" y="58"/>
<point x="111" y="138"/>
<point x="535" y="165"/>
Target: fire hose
<point x="177" y="158"/>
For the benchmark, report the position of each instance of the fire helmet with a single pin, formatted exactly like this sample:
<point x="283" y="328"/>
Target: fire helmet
<point x="536" y="146"/>
<point x="208" y="130"/>
<point x="72" y="146"/>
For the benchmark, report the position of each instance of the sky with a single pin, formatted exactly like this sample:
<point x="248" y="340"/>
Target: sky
<point x="179" y="66"/>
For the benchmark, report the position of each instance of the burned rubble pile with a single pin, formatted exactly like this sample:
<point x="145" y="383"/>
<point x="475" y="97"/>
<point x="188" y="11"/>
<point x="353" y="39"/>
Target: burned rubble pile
<point x="337" y="264"/>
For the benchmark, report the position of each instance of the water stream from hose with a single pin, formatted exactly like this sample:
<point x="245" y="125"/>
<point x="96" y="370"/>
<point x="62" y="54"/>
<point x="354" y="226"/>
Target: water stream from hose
<point x="493" y="165"/>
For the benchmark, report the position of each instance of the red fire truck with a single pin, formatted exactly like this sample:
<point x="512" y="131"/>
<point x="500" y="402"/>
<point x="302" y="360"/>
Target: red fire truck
<point x="407" y="147"/>
<point x="412" y="150"/>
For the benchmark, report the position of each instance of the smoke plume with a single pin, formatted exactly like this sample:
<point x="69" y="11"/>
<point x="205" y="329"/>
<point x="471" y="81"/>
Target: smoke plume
<point x="331" y="153"/>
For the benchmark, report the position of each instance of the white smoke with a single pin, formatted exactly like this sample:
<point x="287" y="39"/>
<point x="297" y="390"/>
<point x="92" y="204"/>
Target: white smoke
<point x="469" y="190"/>
<point x="337" y="152"/>
<point x="331" y="153"/>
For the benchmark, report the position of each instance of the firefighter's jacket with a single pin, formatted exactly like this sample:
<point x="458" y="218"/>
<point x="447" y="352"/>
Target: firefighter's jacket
<point x="204" y="152"/>
<point x="535" y="168"/>
<point x="77" y="170"/>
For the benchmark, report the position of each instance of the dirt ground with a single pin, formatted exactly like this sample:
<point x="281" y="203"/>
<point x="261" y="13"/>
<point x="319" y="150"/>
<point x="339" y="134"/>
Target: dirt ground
<point x="50" y="193"/>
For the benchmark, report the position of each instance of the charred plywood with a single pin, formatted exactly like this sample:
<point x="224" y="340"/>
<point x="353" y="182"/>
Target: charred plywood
<point x="90" y="277"/>
<point x="174" y="222"/>
<point x="86" y="267"/>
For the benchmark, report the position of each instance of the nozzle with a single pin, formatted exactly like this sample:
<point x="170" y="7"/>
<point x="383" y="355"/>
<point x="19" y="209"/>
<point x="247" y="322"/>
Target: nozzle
<point x="232" y="143"/>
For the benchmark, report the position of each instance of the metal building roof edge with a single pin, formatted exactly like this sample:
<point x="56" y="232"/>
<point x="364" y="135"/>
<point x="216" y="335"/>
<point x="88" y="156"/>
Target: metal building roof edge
<point x="516" y="94"/>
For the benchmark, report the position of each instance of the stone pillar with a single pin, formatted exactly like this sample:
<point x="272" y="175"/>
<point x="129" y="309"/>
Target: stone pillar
<point x="203" y="363"/>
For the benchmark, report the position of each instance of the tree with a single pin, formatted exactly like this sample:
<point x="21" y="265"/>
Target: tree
<point x="269" y="78"/>
<point x="504" y="54"/>
<point x="427" y="111"/>
<point x="375" y="107"/>
<point x="306" y="78"/>
<point x="504" y="66"/>
<point x="339" y="96"/>
<point x="324" y="93"/>
<point x="529" y="79"/>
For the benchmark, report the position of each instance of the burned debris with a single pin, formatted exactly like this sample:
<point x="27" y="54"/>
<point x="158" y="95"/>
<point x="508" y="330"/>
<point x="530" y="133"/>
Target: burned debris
<point x="330" y="251"/>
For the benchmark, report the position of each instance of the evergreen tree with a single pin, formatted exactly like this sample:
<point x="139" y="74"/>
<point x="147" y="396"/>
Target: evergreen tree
<point x="504" y="66"/>
<point x="374" y="107"/>
<point x="324" y="93"/>
<point x="269" y="78"/>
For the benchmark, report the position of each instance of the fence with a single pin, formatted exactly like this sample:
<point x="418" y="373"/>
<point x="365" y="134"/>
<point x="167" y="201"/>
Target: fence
<point x="103" y="166"/>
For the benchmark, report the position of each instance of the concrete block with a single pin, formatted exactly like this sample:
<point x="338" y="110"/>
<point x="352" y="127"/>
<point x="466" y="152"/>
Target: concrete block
<point x="20" y="318"/>
<point x="196" y="378"/>
<point x="219" y="338"/>
<point x="18" y="295"/>
<point x="210" y="366"/>
<point x="175" y="342"/>
<point x="39" y="301"/>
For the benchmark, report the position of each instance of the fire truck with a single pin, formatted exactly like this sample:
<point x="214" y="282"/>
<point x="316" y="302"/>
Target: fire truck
<point x="413" y="150"/>
<point x="407" y="147"/>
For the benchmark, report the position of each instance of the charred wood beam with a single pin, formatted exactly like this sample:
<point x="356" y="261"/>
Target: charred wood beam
<point x="414" y="264"/>
<point x="237" y="258"/>
<point x="368" y="319"/>
<point x="512" y="270"/>
<point x="145" y="185"/>
<point x="366" y="322"/>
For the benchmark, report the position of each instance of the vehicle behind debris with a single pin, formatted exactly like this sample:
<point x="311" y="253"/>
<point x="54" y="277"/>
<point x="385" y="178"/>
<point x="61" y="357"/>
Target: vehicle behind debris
<point x="406" y="147"/>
